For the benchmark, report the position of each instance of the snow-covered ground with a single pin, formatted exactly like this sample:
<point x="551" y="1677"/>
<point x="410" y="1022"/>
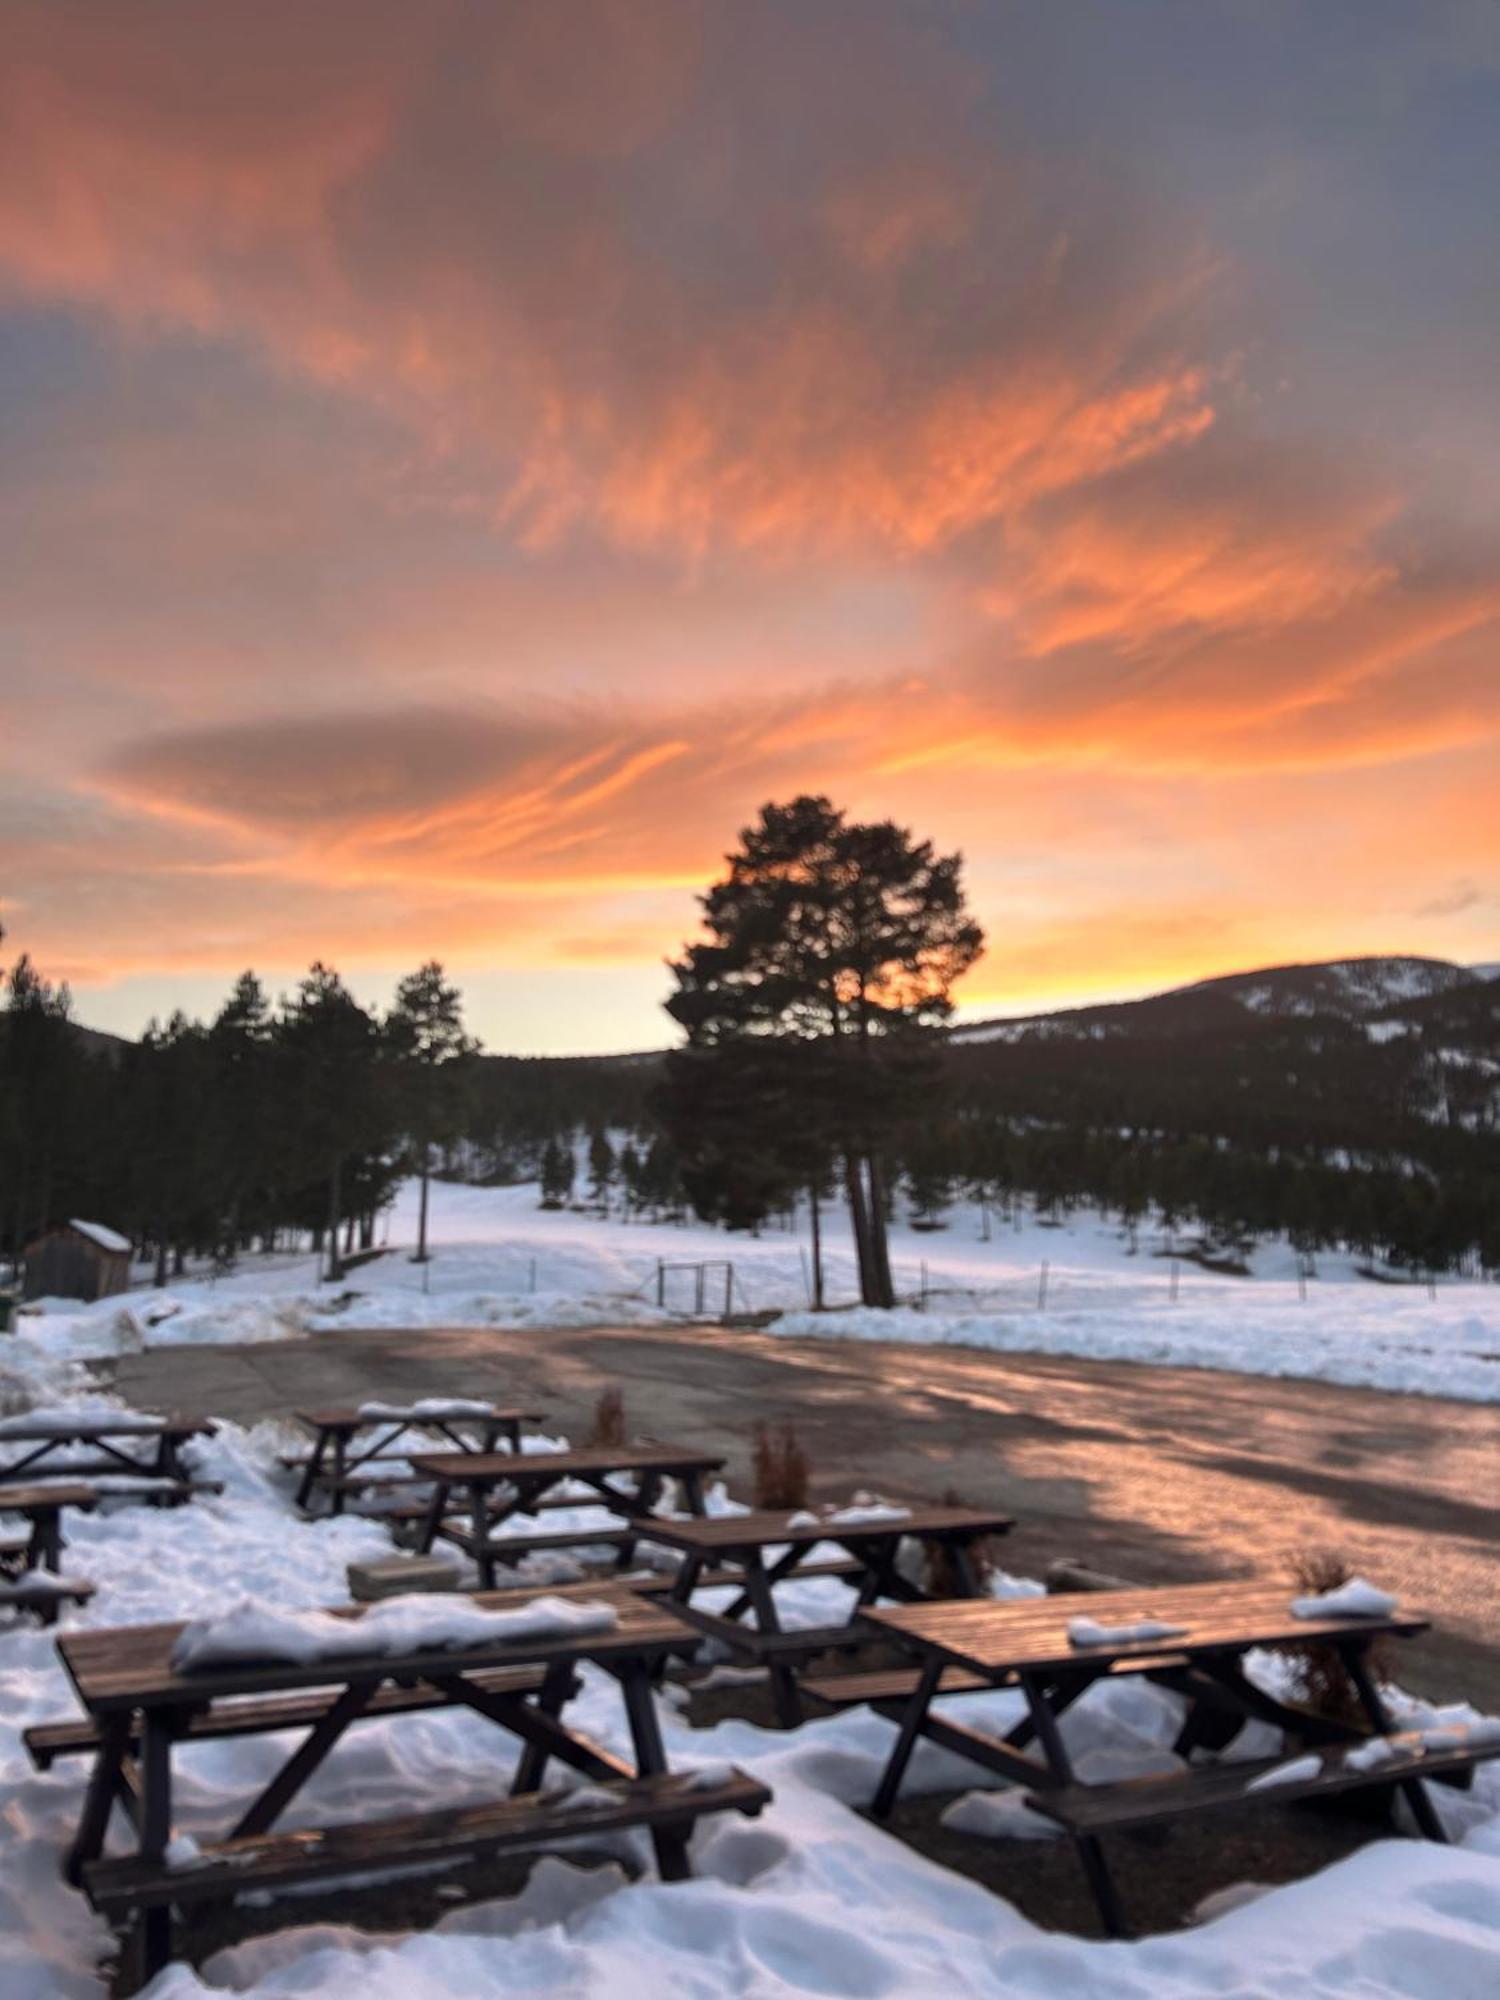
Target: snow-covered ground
<point x="1022" y="1287"/>
<point x="809" y="1900"/>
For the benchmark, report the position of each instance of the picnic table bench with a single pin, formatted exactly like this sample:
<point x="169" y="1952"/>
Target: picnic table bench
<point x="756" y="1551"/>
<point x="336" y="1466"/>
<point x="1025" y="1644"/>
<point x="139" y="1707"/>
<point x="136" y="1454"/>
<point x="498" y="1486"/>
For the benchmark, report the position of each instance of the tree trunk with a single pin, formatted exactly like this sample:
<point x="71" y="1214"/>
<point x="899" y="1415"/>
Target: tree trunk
<point x="880" y="1254"/>
<point x="161" y="1256"/>
<point x="420" y="1254"/>
<point x="859" y="1219"/>
<point x="817" y="1248"/>
<point x="335" y="1262"/>
<point x="367" y="1231"/>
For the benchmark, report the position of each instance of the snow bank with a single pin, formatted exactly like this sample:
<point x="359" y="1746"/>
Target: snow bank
<point x="1362" y="1336"/>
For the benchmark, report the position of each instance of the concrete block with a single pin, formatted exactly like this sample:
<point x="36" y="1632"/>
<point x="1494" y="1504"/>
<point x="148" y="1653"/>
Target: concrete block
<point x="391" y="1575"/>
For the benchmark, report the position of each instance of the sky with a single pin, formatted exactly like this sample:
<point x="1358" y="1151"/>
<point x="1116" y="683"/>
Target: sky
<point x="458" y="462"/>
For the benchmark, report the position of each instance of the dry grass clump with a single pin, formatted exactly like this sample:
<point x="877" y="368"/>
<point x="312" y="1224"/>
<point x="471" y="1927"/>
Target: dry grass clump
<point x="779" y="1468"/>
<point x="940" y="1575"/>
<point x="608" y="1426"/>
<point x="1323" y="1683"/>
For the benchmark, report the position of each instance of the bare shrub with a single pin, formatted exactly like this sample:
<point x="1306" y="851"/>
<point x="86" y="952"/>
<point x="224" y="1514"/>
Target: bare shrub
<point x="940" y="1573"/>
<point x="779" y="1468"/>
<point x="608" y="1426"/>
<point x="1323" y="1683"/>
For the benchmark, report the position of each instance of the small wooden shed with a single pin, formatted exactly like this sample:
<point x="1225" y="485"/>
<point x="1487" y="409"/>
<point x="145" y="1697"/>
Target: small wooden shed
<point x="77" y="1260"/>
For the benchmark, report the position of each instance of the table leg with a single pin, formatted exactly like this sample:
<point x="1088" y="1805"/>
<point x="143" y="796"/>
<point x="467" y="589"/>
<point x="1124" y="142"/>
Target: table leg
<point x="312" y="1470"/>
<point x="437" y="1507"/>
<point x="46" y="1540"/>
<point x="557" y="1690"/>
<point x="671" y="1846"/>
<point x="692" y="1492"/>
<point x="152" y="1940"/>
<point x="1087" y="1847"/>
<point x="784" y="1692"/>
<point x="906" y="1737"/>
<point x="1424" y="1812"/>
<point x="479" y="1528"/>
<point x="99" y="1799"/>
<point x="964" y="1568"/>
<point x="340" y="1470"/>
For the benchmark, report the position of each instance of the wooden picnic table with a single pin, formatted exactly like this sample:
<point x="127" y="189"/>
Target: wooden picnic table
<point x="131" y="1443"/>
<point x="42" y="1506"/>
<point x="140" y="1707"/>
<point x="41" y="1548"/>
<point x="1025" y="1644"/>
<point x="759" y="1550"/>
<point x="335" y="1467"/>
<point x="499" y="1486"/>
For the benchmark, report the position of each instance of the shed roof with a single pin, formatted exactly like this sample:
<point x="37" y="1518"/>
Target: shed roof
<point x="97" y="1232"/>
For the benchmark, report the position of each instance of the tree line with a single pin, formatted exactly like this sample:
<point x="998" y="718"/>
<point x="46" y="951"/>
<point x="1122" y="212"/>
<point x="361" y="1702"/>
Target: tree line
<point x="208" y="1138"/>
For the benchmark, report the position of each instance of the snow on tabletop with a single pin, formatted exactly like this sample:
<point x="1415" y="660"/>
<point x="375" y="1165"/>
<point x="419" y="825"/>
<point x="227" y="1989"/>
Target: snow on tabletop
<point x="1358" y="1598"/>
<point x="66" y="1420"/>
<point x="1089" y="1632"/>
<point x="1296" y="1772"/>
<point x="252" y="1631"/>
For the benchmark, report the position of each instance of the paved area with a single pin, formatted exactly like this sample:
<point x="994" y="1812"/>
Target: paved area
<point x="1161" y="1474"/>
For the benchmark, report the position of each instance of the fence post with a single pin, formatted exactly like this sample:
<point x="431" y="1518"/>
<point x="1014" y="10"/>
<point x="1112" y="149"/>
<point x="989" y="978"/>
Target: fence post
<point x="1041" y="1290"/>
<point x="728" y="1292"/>
<point x="661" y="1285"/>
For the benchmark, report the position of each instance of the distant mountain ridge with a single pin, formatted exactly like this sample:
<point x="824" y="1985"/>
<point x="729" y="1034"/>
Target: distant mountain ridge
<point x="1351" y="989"/>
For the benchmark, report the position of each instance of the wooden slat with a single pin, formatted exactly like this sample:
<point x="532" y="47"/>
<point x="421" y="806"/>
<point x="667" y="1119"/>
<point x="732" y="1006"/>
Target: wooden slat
<point x="418" y="1839"/>
<point x="1140" y="1801"/>
<point x="591" y="1461"/>
<point x="130" y="1666"/>
<point x="47" y="1741"/>
<point x="34" y="1597"/>
<point x="45" y="1497"/>
<point x="348" y="1418"/>
<point x="884" y="1684"/>
<point x="505" y="1547"/>
<point x="992" y="1634"/>
<point x="727" y="1532"/>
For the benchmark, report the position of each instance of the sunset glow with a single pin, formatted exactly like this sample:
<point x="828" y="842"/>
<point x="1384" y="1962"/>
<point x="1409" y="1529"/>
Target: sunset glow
<point x="460" y="462"/>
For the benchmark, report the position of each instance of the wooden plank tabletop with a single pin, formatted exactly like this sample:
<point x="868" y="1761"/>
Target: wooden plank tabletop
<point x="992" y="1635"/>
<point x="726" y="1532"/>
<point x="350" y="1419"/>
<point x="44" y="1498"/>
<point x="130" y="1667"/>
<point x="590" y="1462"/>
<point x="90" y="1430"/>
